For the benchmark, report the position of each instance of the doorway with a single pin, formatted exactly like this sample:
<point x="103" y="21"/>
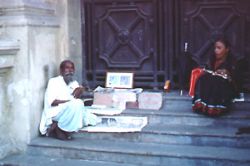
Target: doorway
<point x="147" y="37"/>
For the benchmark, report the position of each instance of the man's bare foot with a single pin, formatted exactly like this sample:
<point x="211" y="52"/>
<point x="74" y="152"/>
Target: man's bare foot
<point x="68" y="135"/>
<point x="60" y="134"/>
<point x="51" y="131"/>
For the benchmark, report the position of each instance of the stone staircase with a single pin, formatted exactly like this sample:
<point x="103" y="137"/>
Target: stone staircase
<point x="174" y="136"/>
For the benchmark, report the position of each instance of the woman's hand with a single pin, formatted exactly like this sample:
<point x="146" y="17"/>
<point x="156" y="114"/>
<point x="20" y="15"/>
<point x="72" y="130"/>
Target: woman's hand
<point x="222" y="72"/>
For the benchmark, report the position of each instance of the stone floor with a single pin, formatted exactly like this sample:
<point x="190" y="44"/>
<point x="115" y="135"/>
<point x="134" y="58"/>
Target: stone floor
<point x="173" y="136"/>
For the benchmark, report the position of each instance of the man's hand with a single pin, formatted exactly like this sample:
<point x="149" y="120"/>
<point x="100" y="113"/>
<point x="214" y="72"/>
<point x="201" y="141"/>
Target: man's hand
<point x="57" y="102"/>
<point x="78" y="92"/>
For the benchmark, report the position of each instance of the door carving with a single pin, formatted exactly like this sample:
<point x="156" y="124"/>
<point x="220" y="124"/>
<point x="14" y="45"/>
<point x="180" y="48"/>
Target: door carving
<point x="147" y="36"/>
<point x="123" y="43"/>
<point x="122" y="36"/>
<point x="203" y="21"/>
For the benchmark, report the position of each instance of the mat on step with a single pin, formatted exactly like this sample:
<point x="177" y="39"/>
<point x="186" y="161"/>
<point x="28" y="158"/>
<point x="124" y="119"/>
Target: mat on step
<point x="103" y="110"/>
<point x="118" y="124"/>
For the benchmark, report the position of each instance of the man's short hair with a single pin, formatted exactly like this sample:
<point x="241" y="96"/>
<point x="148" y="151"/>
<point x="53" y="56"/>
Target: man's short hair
<point x="63" y="63"/>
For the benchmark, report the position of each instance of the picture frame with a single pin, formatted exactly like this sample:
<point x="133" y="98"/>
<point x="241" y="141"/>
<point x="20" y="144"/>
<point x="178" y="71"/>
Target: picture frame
<point x="121" y="80"/>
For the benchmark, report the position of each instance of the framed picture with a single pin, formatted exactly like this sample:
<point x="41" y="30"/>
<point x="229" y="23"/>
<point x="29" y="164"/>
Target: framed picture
<point x="119" y="80"/>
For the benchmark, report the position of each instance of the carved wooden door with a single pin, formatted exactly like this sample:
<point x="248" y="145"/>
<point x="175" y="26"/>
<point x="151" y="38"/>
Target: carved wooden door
<point x="124" y="36"/>
<point x="202" y="21"/>
<point x="147" y="36"/>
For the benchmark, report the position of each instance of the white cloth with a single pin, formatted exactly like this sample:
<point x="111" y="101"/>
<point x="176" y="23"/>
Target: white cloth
<point x="57" y="89"/>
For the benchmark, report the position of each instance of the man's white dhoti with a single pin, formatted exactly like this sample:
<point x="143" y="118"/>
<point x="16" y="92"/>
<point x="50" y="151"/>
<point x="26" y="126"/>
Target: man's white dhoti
<point x="72" y="115"/>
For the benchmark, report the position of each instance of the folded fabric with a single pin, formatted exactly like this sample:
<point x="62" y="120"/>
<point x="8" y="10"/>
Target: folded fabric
<point x="196" y="73"/>
<point x="118" y="124"/>
<point x="102" y="110"/>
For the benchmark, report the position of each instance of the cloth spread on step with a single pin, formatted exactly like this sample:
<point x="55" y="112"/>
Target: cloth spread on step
<point x="118" y="124"/>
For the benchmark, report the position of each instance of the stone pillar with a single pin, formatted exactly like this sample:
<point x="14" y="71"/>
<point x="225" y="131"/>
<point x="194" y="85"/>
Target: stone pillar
<point x="75" y="36"/>
<point x="34" y="26"/>
<point x="44" y="32"/>
<point x="70" y="33"/>
<point x="8" y="51"/>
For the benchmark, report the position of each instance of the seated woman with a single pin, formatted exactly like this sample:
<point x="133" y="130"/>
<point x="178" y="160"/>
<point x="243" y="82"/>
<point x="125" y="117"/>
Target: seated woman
<point x="215" y="88"/>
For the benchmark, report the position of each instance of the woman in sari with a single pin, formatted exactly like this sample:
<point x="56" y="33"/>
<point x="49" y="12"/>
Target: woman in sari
<point x="214" y="89"/>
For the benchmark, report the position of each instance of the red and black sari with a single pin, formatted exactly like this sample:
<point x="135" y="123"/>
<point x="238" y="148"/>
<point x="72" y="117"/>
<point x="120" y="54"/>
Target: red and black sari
<point x="213" y="94"/>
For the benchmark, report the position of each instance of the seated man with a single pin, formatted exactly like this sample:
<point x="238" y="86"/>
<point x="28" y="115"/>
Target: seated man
<point x="63" y="110"/>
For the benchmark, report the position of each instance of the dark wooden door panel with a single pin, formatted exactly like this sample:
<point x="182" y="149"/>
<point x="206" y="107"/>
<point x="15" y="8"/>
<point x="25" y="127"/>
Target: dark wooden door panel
<point x="123" y="38"/>
<point x="202" y="21"/>
<point x="148" y="36"/>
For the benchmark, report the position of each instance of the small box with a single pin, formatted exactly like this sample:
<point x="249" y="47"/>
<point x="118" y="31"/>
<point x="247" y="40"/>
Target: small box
<point x="101" y="98"/>
<point x="114" y="99"/>
<point x="132" y="105"/>
<point x="150" y="100"/>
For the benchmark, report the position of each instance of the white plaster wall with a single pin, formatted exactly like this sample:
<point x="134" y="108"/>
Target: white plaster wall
<point x="75" y="36"/>
<point x="70" y="36"/>
<point x="7" y="143"/>
<point x="2" y="102"/>
<point x="8" y="49"/>
<point x="18" y="87"/>
<point x="43" y="62"/>
<point x="14" y="86"/>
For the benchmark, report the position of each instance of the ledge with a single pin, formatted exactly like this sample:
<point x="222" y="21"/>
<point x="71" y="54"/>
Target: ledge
<point x="8" y="50"/>
<point x="28" y="15"/>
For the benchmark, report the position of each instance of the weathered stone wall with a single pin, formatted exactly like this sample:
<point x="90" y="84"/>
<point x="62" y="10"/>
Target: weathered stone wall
<point x="8" y="50"/>
<point x="75" y="36"/>
<point x="44" y="32"/>
<point x="70" y="36"/>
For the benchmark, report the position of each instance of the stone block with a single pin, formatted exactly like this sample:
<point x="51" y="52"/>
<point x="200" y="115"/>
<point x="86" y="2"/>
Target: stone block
<point x="150" y="100"/>
<point x="132" y="105"/>
<point x="114" y="99"/>
<point x="121" y="98"/>
<point x="103" y="99"/>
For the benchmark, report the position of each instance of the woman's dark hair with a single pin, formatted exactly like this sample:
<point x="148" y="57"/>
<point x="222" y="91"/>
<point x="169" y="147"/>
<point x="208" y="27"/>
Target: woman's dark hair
<point x="223" y="40"/>
<point x="227" y="44"/>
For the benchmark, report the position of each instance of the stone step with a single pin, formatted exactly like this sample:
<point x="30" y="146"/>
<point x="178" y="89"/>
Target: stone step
<point x="179" y="102"/>
<point x="174" y="136"/>
<point x="175" y="98"/>
<point x="177" y="134"/>
<point x="175" y="95"/>
<point x="138" y="153"/>
<point x="177" y="115"/>
<point x="31" y="160"/>
<point x="174" y="105"/>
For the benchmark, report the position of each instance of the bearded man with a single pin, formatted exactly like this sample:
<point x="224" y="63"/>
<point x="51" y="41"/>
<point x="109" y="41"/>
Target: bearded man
<point x="64" y="111"/>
